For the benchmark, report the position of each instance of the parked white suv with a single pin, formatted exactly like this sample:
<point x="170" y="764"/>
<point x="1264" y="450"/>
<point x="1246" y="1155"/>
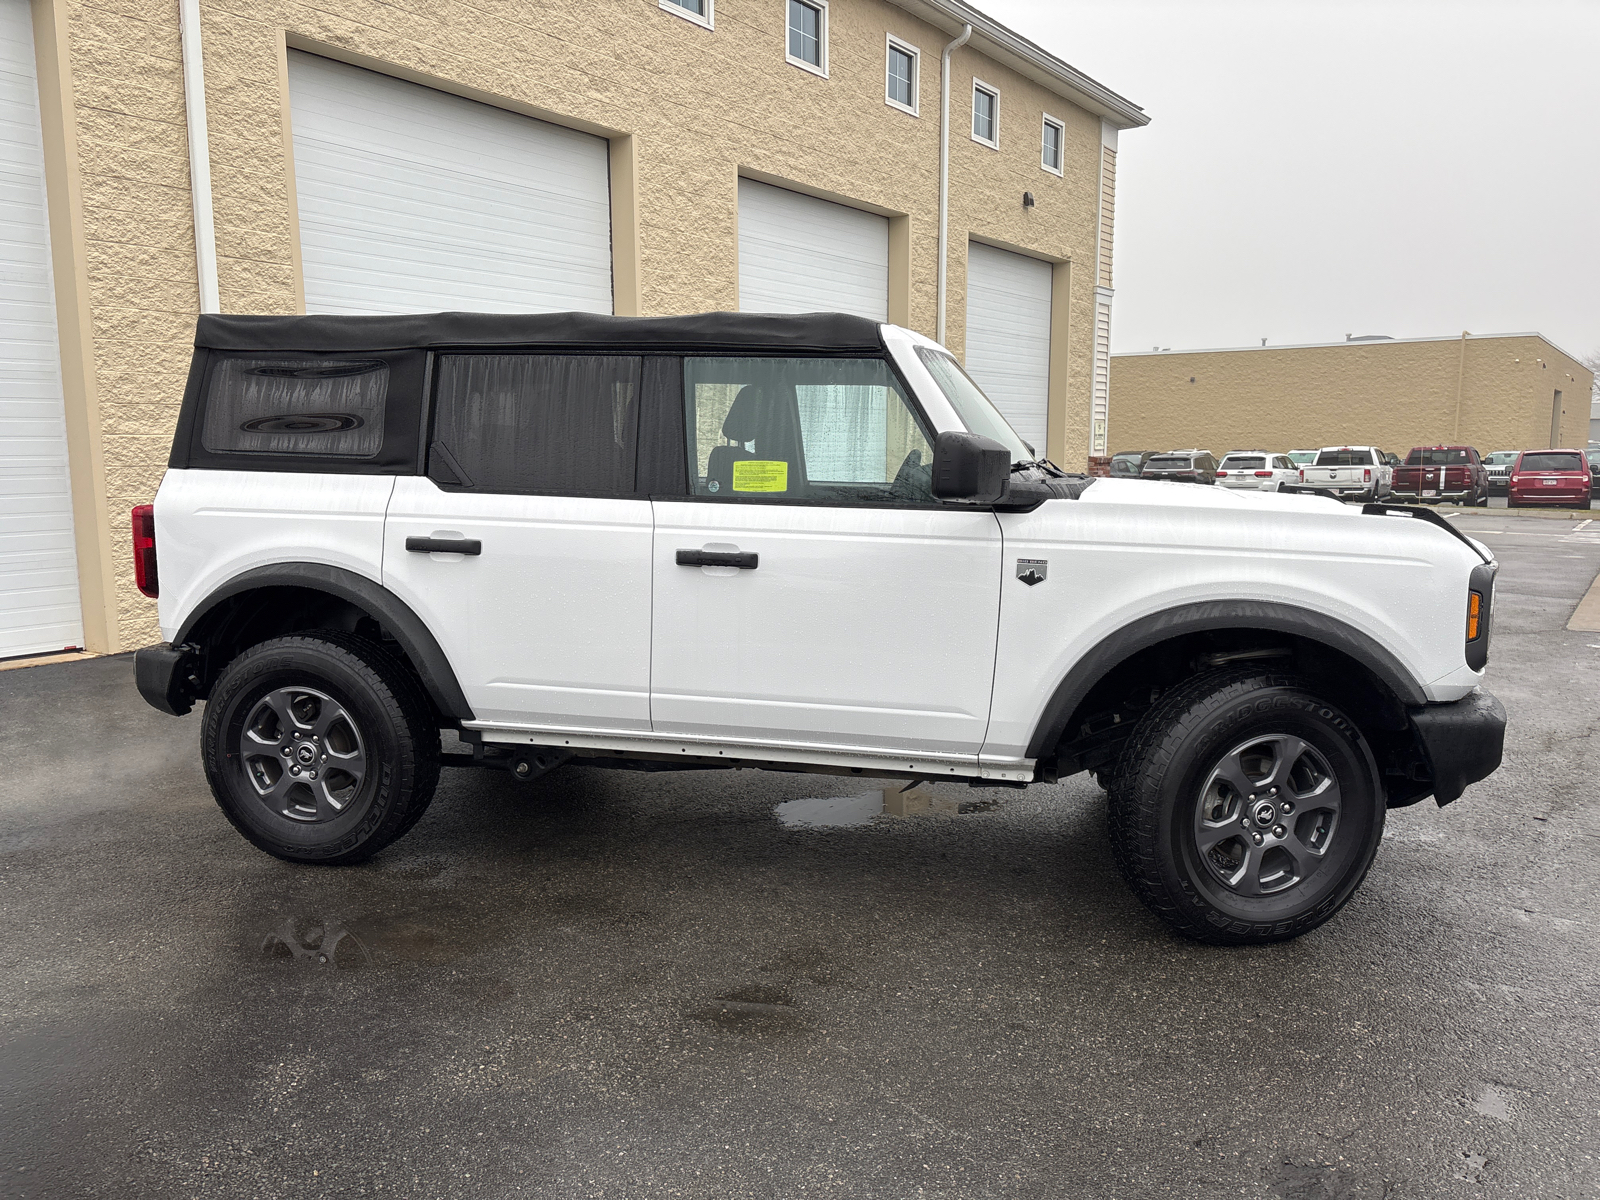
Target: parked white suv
<point x="797" y="542"/>
<point x="1257" y="471"/>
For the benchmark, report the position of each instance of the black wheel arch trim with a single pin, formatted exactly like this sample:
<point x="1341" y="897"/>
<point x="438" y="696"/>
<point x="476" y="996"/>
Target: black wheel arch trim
<point x="1202" y="617"/>
<point x="391" y="612"/>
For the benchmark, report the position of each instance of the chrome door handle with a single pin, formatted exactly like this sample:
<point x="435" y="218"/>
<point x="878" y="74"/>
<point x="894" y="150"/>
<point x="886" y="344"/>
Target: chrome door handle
<point x="745" y="560"/>
<point x="432" y="545"/>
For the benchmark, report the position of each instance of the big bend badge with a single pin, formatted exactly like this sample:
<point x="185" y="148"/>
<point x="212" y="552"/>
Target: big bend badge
<point x="1032" y="570"/>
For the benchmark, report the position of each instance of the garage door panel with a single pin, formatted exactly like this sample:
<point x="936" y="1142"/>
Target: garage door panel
<point x="39" y="610"/>
<point x="801" y="254"/>
<point x="412" y="200"/>
<point x="1008" y="335"/>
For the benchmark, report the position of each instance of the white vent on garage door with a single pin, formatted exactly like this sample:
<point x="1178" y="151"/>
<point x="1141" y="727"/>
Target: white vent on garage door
<point x="1008" y="336"/>
<point x="801" y="254"/>
<point x="39" y="609"/>
<point x="412" y="200"/>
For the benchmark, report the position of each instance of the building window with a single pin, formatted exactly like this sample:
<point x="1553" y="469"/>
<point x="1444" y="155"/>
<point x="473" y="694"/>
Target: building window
<point x="1050" y="146"/>
<point x="698" y="11"/>
<point x="985" y="115"/>
<point x="902" y="64"/>
<point x="808" y="35"/>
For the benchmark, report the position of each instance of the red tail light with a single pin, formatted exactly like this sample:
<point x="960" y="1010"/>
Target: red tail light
<point x="1263" y="474"/>
<point x="144" y="549"/>
<point x="1366" y="476"/>
<point x="1302" y="474"/>
<point x="1220" y="474"/>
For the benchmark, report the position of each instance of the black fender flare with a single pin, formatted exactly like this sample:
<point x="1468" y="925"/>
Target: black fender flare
<point x="391" y="612"/>
<point x="1212" y="615"/>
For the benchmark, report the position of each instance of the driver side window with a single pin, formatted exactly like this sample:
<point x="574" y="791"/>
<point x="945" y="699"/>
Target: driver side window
<point x="831" y="430"/>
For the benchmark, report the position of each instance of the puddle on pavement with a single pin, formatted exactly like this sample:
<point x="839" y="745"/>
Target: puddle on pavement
<point x="327" y="944"/>
<point x="830" y="811"/>
<point x="755" y="1010"/>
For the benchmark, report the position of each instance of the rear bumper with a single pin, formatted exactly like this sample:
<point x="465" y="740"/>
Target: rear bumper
<point x="164" y="675"/>
<point x="1463" y="741"/>
<point x="1410" y="494"/>
<point x="1550" y="496"/>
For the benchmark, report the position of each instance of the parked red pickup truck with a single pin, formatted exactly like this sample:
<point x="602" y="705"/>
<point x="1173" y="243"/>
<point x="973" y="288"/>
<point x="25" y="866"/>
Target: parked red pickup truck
<point x="1436" y="473"/>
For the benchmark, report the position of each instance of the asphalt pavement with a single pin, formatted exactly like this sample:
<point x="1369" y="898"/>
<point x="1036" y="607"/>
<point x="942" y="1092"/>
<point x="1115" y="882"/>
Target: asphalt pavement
<point x="613" y="985"/>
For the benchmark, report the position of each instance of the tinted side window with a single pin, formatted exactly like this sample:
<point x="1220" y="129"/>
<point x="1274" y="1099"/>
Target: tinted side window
<point x="563" y="423"/>
<point x="326" y="406"/>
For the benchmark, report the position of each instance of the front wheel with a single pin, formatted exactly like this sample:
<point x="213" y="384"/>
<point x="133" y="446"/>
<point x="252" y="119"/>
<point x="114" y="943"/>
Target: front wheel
<point x="320" y="747"/>
<point x="1245" y="808"/>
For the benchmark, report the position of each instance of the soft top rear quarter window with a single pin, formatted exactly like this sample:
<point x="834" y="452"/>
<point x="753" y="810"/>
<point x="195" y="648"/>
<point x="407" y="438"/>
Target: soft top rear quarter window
<point x="325" y="405"/>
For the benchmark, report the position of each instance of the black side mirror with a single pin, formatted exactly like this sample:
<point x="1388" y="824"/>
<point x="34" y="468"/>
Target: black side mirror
<point x="969" y="466"/>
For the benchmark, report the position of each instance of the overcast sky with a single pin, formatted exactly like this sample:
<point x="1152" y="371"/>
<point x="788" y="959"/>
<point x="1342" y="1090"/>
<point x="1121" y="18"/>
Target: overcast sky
<point x="1314" y="169"/>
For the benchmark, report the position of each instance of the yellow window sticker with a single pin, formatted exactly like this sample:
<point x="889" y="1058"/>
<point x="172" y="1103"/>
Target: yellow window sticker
<point x="753" y="475"/>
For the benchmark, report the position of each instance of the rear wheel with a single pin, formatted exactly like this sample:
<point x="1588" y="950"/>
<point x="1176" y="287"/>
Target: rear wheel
<point x="1245" y="808"/>
<point x="320" y="747"/>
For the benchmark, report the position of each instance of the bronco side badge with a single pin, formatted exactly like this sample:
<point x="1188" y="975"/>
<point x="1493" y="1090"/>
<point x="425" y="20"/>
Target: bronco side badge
<point x="1032" y="570"/>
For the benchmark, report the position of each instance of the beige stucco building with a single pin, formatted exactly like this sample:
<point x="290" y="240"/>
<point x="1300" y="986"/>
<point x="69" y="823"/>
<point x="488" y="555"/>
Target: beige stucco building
<point x="1495" y="392"/>
<point x="634" y="156"/>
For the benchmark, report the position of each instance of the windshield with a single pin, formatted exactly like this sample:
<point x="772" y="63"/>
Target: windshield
<point x="1125" y="464"/>
<point x="1500" y="458"/>
<point x="1243" y="462"/>
<point x="1551" y="462"/>
<point x="1302" y="458"/>
<point x="976" y="411"/>
<point x="1345" y="458"/>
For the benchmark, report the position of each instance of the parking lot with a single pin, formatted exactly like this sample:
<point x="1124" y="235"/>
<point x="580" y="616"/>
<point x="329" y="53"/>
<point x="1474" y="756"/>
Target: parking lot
<point x="608" y="984"/>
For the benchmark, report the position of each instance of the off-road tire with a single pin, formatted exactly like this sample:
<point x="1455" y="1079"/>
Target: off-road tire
<point x="1156" y="788"/>
<point x="385" y="702"/>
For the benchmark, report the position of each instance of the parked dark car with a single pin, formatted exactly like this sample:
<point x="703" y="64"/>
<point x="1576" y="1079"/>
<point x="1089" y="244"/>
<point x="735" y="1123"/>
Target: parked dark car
<point x="1129" y="464"/>
<point x="1182" y="466"/>
<point x="1557" y="478"/>
<point x="1435" y="473"/>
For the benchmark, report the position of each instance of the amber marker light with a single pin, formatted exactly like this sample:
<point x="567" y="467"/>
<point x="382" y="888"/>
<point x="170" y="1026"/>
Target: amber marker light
<point x="1474" y="614"/>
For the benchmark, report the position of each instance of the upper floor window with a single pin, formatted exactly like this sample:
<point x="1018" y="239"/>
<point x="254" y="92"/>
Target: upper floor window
<point x="1051" y="145"/>
<point x="808" y="35"/>
<point x="985" y="114"/>
<point x="902" y="64"/>
<point x="698" y="11"/>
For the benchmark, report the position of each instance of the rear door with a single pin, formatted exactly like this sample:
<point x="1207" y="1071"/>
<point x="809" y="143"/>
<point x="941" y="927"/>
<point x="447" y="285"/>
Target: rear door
<point x="810" y="592"/>
<point x="526" y="549"/>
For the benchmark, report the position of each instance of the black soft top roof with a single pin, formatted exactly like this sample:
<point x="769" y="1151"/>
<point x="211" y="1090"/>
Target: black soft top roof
<point x="702" y="331"/>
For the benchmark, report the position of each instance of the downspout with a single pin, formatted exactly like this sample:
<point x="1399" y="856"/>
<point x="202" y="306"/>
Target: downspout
<point x="1461" y="371"/>
<point x="944" y="167"/>
<point x="194" y="100"/>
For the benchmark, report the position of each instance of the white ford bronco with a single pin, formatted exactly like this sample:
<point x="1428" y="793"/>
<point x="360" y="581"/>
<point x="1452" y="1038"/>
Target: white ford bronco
<point x="790" y="542"/>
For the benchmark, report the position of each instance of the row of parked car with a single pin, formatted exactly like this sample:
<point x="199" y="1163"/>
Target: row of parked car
<point x="1427" y="475"/>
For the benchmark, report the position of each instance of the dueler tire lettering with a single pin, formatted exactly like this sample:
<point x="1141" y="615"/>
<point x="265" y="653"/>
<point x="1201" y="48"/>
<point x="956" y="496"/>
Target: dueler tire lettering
<point x="1256" y="863"/>
<point x="383" y="709"/>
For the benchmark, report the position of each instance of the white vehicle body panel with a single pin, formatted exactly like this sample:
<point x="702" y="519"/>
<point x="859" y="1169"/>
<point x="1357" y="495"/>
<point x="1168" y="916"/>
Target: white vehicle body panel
<point x="861" y="629"/>
<point x="550" y="625"/>
<point x="214" y="525"/>
<point x="1128" y="549"/>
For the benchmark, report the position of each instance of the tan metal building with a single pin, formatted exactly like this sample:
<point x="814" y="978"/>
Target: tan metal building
<point x="628" y="156"/>
<point x="1493" y="391"/>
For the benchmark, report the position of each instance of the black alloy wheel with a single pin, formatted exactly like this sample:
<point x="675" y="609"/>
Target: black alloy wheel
<point x="320" y="747"/>
<point x="1245" y="808"/>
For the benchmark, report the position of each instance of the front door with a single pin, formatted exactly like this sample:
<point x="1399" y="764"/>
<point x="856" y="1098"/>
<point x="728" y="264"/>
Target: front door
<point x="526" y="550"/>
<point x="811" y="592"/>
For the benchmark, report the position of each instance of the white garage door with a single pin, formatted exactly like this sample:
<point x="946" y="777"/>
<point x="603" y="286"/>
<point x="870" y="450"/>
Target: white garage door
<point x="801" y="254"/>
<point x="413" y="200"/>
<point x="38" y="565"/>
<point x="1008" y="335"/>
